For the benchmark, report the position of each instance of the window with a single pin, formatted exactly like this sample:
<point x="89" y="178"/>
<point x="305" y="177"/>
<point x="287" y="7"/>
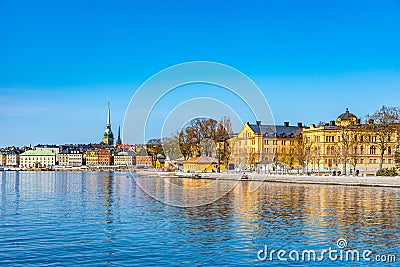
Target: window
<point x="361" y="150"/>
<point x="266" y="142"/>
<point x="389" y="151"/>
<point x="362" y="161"/>
<point x="370" y="161"/>
<point x="390" y="161"/>
<point x="330" y="139"/>
<point x="283" y="142"/>
<point x="374" y="161"/>
<point x="328" y="150"/>
<point x="253" y="142"/>
<point x="372" y="150"/>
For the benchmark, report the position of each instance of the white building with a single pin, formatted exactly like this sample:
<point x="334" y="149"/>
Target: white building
<point x="75" y="158"/>
<point x="53" y="148"/>
<point x="37" y="159"/>
<point x="123" y="158"/>
<point x="12" y="159"/>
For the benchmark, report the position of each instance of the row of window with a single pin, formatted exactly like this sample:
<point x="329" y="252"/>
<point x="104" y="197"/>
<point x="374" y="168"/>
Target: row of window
<point x="371" y="161"/>
<point x="372" y="150"/>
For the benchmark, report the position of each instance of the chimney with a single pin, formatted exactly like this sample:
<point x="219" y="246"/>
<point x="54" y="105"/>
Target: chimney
<point x="332" y="123"/>
<point x="286" y="123"/>
<point x="258" y="123"/>
<point x="300" y="124"/>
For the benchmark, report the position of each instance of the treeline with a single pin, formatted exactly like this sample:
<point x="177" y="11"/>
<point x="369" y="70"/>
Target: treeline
<point x="200" y="137"/>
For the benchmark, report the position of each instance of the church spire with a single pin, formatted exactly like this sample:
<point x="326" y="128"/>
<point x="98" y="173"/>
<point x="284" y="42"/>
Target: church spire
<point x="108" y="136"/>
<point x="109" y="115"/>
<point x="119" y="142"/>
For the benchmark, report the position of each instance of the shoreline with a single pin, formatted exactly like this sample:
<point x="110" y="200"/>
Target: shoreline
<point x="368" y="181"/>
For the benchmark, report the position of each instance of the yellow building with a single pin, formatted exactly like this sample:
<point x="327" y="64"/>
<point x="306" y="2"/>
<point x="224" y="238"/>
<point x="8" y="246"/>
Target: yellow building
<point x="202" y="164"/>
<point x="92" y="158"/>
<point x="267" y="145"/>
<point x="345" y="145"/>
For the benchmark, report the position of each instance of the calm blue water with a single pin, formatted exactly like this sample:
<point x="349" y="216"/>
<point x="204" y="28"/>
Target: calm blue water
<point x="103" y="219"/>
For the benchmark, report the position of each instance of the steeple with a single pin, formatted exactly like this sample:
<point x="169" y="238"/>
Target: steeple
<point x="109" y="116"/>
<point x="119" y="142"/>
<point x="108" y="136"/>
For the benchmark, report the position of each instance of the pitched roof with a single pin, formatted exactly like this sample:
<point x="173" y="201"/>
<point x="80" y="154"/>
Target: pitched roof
<point x="274" y="130"/>
<point x="142" y="152"/>
<point x="202" y="160"/>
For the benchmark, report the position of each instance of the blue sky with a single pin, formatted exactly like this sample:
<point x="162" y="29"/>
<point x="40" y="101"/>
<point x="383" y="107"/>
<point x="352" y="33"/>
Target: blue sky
<point x="62" y="61"/>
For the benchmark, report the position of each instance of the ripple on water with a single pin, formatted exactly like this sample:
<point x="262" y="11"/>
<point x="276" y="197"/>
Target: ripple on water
<point x="103" y="218"/>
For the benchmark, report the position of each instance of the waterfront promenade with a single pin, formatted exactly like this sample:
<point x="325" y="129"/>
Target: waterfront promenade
<point x="375" y="181"/>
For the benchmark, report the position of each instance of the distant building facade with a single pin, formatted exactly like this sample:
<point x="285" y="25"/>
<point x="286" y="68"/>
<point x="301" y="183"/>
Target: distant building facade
<point x="92" y="158"/>
<point x="53" y="148"/>
<point x="268" y="144"/>
<point x="105" y="157"/>
<point x="72" y="158"/>
<point x="143" y="159"/>
<point x="12" y="158"/>
<point x="37" y="159"/>
<point x="202" y="164"/>
<point x="123" y="158"/>
<point x="346" y="145"/>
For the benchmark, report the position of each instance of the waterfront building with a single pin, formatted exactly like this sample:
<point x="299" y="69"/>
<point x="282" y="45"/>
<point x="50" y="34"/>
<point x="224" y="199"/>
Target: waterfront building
<point x="272" y="145"/>
<point x="123" y="158"/>
<point x="104" y="157"/>
<point x="37" y="159"/>
<point x="92" y="158"/>
<point x="3" y="159"/>
<point x="143" y="159"/>
<point x="346" y="145"/>
<point x="63" y="158"/>
<point x="108" y="136"/>
<point x="53" y="148"/>
<point x="202" y="164"/>
<point x="12" y="158"/>
<point x="73" y="157"/>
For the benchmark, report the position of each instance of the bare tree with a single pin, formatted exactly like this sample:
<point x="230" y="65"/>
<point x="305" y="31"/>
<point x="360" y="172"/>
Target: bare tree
<point x="384" y="123"/>
<point x="301" y="150"/>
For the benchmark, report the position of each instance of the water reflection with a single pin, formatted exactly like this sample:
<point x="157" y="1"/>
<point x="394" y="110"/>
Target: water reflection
<point x="109" y="216"/>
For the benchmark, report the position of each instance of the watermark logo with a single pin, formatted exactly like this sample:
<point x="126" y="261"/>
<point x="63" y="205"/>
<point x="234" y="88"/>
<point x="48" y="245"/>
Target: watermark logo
<point x="340" y="253"/>
<point x="163" y="106"/>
